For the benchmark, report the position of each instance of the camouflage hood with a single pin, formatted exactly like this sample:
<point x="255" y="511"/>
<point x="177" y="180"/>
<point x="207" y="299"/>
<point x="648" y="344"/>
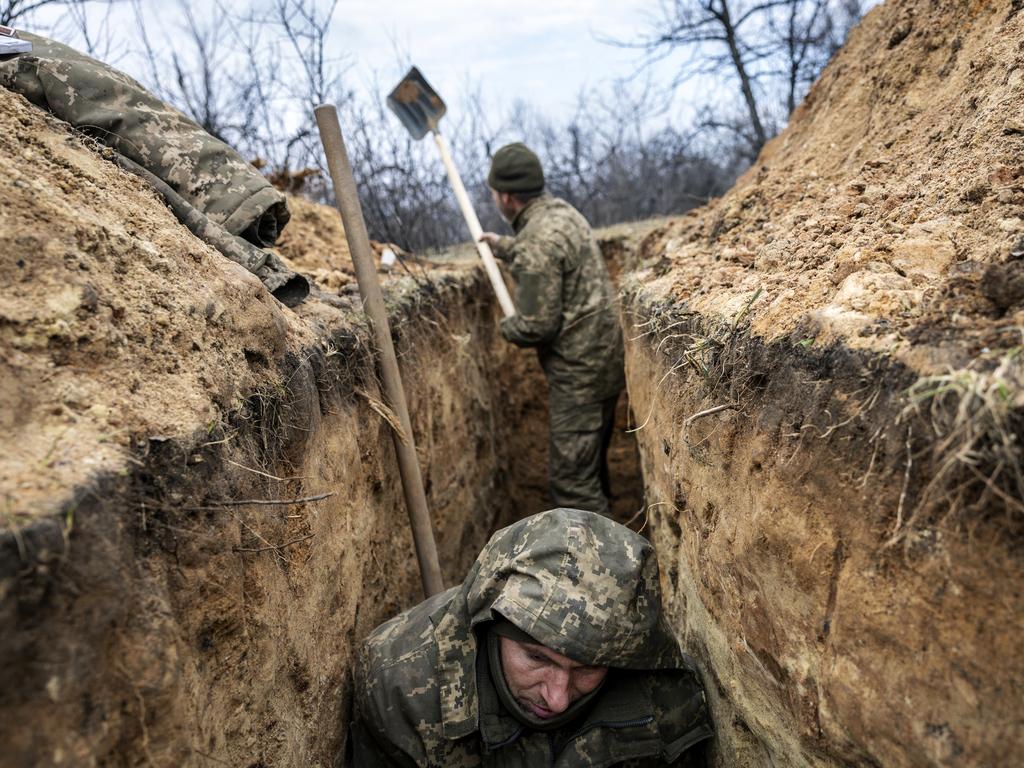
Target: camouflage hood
<point x="576" y="581"/>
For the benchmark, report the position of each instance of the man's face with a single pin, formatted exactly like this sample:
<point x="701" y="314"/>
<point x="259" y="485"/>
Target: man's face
<point x="544" y="682"/>
<point x="505" y="204"/>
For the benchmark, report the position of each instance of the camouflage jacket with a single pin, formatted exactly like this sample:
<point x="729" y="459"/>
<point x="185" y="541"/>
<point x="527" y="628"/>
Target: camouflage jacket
<point x="565" y="302"/>
<point x="581" y="585"/>
<point x="114" y="108"/>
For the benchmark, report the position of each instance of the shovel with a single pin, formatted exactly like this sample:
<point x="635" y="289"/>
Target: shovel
<point x="420" y="109"/>
<point x="373" y="302"/>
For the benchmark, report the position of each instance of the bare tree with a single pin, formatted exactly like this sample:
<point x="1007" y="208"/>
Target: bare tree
<point x="203" y="86"/>
<point x="306" y="26"/>
<point x="757" y="44"/>
<point x="402" y="185"/>
<point x="252" y="73"/>
<point x="807" y="33"/>
<point x="194" y="71"/>
<point x="606" y="160"/>
<point x="250" y="77"/>
<point x="713" y="33"/>
<point x="16" y="10"/>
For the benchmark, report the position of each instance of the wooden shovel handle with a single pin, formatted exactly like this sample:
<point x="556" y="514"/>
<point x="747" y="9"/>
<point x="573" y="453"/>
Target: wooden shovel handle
<point x="373" y="302"/>
<point x="475" y="230"/>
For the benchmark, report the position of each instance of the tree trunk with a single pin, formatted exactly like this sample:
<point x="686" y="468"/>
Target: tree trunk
<point x="741" y="71"/>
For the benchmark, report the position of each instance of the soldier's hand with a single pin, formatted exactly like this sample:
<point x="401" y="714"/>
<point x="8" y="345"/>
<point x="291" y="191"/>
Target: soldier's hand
<point x="490" y="238"/>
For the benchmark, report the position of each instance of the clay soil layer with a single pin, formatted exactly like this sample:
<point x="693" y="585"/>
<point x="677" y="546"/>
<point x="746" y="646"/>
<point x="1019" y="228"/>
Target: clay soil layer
<point x="821" y="645"/>
<point x="825" y="368"/>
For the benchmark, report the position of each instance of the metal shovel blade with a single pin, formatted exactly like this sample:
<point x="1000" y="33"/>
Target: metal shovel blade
<point x="417" y="104"/>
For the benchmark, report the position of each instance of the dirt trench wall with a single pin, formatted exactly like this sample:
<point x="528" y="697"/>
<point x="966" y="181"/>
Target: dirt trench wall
<point x="155" y="620"/>
<point x="821" y="645"/>
<point x="825" y="367"/>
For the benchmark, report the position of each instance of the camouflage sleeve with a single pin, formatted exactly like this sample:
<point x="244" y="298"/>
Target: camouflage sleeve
<point x="537" y="270"/>
<point x="503" y="250"/>
<point x="369" y="738"/>
<point x="117" y="110"/>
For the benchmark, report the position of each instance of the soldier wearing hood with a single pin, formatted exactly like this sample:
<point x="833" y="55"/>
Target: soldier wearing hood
<point x="565" y="309"/>
<point x="553" y="651"/>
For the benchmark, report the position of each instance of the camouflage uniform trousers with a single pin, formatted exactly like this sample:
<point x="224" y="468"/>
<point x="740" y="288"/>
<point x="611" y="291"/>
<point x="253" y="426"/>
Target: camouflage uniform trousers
<point x="566" y="310"/>
<point x="578" y="454"/>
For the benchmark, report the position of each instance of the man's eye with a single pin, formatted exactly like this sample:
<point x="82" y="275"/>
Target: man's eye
<point x="538" y="657"/>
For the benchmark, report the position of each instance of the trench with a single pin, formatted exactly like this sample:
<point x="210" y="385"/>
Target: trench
<point x="200" y="514"/>
<point x="202" y="606"/>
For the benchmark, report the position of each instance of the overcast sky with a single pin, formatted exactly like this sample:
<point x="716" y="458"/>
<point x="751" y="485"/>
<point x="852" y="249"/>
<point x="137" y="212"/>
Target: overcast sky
<point x="540" y="51"/>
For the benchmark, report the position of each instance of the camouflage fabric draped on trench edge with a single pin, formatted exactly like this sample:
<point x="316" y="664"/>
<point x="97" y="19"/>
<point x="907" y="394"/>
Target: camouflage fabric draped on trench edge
<point x="197" y="170"/>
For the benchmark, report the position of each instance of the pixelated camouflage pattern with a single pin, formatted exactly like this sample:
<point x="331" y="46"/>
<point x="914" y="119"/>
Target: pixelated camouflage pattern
<point x="565" y="302"/>
<point x="118" y="111"/>
<point x="581" y="585"/>
<point x="577" y="457"/>
<point x="287" y="286"/>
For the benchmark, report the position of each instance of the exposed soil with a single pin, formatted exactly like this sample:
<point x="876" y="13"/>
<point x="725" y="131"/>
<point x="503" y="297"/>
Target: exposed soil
<point x="314" y="243"/>
<point x="824" y="379"/>
<point x="825" y="368"/>
<point x="151" y="612"/>
<point x="823" y="645"/>
<point x="874" y="217"/>
<point x="202" y="513"/>
<point x="98" y="341"/>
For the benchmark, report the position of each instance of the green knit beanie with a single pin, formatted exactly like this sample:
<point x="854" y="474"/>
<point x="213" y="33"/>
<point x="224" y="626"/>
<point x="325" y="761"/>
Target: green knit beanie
<point x="515" y="168"/>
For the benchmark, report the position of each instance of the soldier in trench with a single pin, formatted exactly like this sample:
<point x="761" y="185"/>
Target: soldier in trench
<point x="552" y="651"/>
<point x="565" y="309"/>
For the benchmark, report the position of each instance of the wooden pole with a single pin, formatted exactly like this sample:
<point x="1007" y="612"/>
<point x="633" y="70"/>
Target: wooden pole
<point x="373" y="303"/>
<point x="475" y="230"/>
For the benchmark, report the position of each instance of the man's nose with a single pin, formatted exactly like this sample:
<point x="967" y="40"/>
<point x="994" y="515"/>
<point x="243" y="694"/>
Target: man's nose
<point x="556" y="694"/>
